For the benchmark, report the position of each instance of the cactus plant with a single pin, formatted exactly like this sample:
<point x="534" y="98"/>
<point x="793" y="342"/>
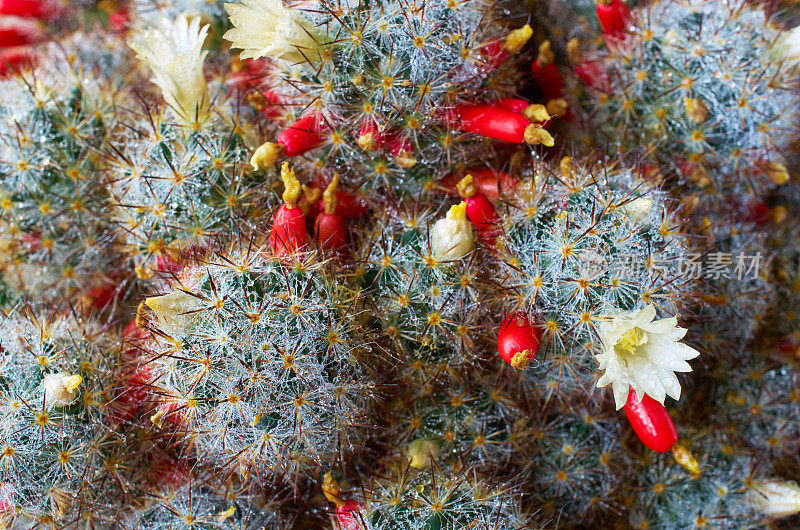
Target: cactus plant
<point x="56" y="435"/>
<point x="697" y="87"/>
<point x="258" y="363"/>
<point x="383" y="93"/>
<point x="56" y="236"/>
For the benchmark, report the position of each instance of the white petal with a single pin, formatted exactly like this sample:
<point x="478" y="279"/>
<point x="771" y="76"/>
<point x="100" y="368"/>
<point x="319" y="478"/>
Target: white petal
<point x="604" y="380"/>
<point x="620" y="395"/>
<point x="664" y="326"/>
<point x="645" y="316"/>
<point x="672" y="386"/>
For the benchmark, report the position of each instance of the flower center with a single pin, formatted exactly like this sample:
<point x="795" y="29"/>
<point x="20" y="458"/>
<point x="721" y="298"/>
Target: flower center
<point x="629" y="340"/>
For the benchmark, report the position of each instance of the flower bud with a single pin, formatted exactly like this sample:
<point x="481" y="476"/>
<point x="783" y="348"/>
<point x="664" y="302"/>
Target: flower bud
<point x="451" y="237"/>
<point x="174" y="311"/>
<point x="776" y="498"/>
<point x="61" y="389"/>
<point x="422" y="453"/>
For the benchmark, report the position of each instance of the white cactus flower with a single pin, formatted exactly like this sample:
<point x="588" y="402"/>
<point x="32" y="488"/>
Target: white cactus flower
<point x="174" y="53"/>
<point x="266" y="28"/>
<point x="644" y="354"/>
<point x="451" y="237"/>
<point x="776" y="498"/>
<point x="60" y="389"/>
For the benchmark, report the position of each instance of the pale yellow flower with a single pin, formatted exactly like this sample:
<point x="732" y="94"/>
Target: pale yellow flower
<point x="174" y="53"/>
<point x="267" y="28"/>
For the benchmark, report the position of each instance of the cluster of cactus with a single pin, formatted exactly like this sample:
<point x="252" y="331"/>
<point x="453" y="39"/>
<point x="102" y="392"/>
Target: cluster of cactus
<point x="582" y="243"/>
<point x="425" y="496"/>
<point x="176" y="190"/>
<point x="430" y="306"/>
<point x="388" y="93"/>
<point x="57" y="435"/>
<point x="421" y="333"/>
<point x="256" y="363"/>
<point x="702" y="90"/>
<point x="56" y="234"/>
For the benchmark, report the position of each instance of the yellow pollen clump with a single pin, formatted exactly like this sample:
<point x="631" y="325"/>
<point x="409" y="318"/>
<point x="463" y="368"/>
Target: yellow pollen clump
<point x="516" y="39"/>
<point x="291" y="193"/>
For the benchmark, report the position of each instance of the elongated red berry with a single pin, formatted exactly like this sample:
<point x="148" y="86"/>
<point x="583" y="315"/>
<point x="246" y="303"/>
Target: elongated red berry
<point x="167" y="471"/>
<point x="329" y="227"/>
<point x="651" y="422"/>
<point x="370" y="136"/>
<point x="19" y="33"/>
<point x="100" y="297"/>
<point x="492" y="121"/>
<point x="14" y="59"/>
<point x="614" y="17"/>
<point x="347" y="516"/>
<point x="171" y="410"/>
<point x="267" y="102"/>
<point x="133" y="394"/>
<point x="518" y="340"/>
<point x="302" y="136"/>
<point x="347" y="512"/>
<point x="494" y="53"/>
<point x="349" y="206"/>
<point x="289" y="236"/>
<point x="248" y="74"/>
<point x="29" y="8"/>
<point x="591" y="73"/>
<point x="402" y="149"/>
<point x="131" y="330"/>
<point x="546" y="74"/>
<point x="6" y="504"/>
<point x="488" y="181"/>
<point x="119" y="21"/>
<point x="480" y="211"/>
<point x="513" y="104"/>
